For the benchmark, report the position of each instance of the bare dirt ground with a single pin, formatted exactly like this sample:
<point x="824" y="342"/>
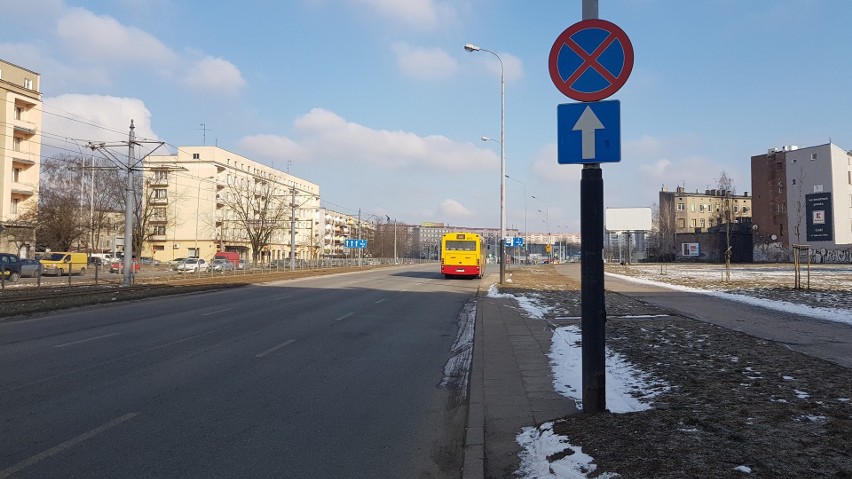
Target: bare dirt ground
<point x="734" y="400"/>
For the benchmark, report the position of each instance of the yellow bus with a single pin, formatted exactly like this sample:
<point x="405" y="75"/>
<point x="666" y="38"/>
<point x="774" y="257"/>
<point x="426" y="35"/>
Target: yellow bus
<point x="462" y="254"/>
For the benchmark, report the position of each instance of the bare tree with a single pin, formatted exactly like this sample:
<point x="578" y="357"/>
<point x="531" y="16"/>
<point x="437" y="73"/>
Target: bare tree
<point x="60" y="211"/>
<point x="260" y="208"/>
<point x="664" y="230"/>
<point x="725" y="215"/>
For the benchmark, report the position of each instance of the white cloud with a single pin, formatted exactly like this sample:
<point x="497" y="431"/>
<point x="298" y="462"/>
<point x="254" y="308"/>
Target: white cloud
<point x="424" y="63"/>
<point x="546" y="168"/>
<point x="102" y="39"/>
<point x="215" y="75"/>
<point x="452" y="209"/>
<point x="419" y="14"/>
<point x="513" y="67"/>
<point x="321" y="136"/>
<point x="93" y="118"/>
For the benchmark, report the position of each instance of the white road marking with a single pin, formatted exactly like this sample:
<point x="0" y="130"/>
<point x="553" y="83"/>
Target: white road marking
<point x="379" y="301"/>
<point x="65" y="445"/>
<point x="276" y="348"/>
<point x="344" y="316"/>
<point x="217" y="312"/>
<point x="85" y="340"/>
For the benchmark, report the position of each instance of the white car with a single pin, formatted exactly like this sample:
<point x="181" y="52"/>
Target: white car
<point x="192" y="265"/>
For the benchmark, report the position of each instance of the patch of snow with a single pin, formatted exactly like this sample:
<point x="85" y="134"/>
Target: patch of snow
<point x="627" y="388"/>
<point x="743" y="469"/>
<point x="838" y="315"/>
<point x="542" y="456"/>
<point x="801" y="394"/>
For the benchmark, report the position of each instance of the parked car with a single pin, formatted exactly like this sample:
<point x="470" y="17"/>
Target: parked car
<point x="192" y="265"/>
<point x="61" y="263"/>
<point x="117" y="266"/>
<point x="30" y="267"/>
<point x="175" y="262"/>
<point x="150" y="261"/>
<point x="221" y="265"/>
<point x="10" y="265"/>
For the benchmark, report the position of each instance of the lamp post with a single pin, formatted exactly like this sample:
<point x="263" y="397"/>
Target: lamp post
<point x="525" y="208"/>
<point x="197" y="213"/>
<point x="546" y="221"/>
<point x="473" y="48"/>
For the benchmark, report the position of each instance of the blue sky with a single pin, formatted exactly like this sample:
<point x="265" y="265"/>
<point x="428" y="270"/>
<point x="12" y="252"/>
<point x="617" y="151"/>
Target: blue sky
<point x="377" y="102"/>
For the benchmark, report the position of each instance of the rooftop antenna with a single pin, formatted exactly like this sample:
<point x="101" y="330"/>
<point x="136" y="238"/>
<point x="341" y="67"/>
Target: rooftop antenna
<point x="204" y="131"/>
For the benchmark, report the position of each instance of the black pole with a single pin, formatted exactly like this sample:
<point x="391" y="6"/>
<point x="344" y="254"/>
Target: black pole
<point x="592" y="289"/>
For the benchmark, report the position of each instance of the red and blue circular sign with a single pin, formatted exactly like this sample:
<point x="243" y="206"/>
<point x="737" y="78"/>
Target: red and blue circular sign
<point x="591" y="60"/>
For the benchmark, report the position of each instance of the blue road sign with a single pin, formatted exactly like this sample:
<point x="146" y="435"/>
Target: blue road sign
<point x="517" y="241"/>
<point x="589" y="132"/>
<point x="355" y="243"/>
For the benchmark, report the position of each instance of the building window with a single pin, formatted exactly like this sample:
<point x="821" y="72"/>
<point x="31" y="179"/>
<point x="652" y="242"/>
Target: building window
<point x="736" y="209"/>
<point x="813" y="156"/>
<point x="681" y="207"/>
<point x="161" y="176"/>
<point x="19" y="113"/>
<point x="28" y="83"/>
<point x="160" y="193"/>
<point x="702" y="222"/>
<point x="16" y="144"/>
<point x="196" y="156"/>
<point x="13" y="208"/>
<point x="16" y="175"/>
<point x="692" y="207"/>
<point x="158" y="230"/>
<point x="694" y="223"/>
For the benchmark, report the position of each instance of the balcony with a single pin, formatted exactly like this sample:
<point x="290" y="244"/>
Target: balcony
<point x="159" y="182"/>
<point x="157" y="238"/>
<point x="159" y="201"/>
<point x="25" y="127"/>
<point x="22" y="189"/>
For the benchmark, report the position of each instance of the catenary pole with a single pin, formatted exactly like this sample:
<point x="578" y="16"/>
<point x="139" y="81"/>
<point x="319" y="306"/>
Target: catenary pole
<point x="127" y="279"/>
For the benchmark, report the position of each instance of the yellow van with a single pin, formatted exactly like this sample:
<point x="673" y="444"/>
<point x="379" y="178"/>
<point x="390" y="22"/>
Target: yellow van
<point x="64" y="263"/>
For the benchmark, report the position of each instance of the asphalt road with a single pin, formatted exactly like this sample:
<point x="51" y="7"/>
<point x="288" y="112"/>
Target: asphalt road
<point x="333" y="376"/>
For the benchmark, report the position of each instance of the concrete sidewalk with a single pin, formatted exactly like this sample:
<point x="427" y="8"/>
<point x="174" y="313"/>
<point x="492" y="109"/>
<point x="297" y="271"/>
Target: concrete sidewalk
<point x="511" y="385"/>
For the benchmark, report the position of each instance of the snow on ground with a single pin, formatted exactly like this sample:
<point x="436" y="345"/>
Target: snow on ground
<point x="629" y="389"/>
<point x="840" y="314"/>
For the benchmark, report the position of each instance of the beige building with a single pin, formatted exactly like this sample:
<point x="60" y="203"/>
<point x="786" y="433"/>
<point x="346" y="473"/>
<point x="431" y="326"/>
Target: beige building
<point x="20" y="151"/>
<point x="206" y="199"/>
<point x="696" y="212"/>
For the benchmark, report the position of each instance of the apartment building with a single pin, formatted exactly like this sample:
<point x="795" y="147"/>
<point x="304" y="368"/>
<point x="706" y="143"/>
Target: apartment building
<point x="690" y="212"/>
<point x="206" y="199"/>
<point x="804" y="197"/>
<point x="20" y="153"/>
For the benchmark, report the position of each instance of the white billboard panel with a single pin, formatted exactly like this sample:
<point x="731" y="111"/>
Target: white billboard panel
<point x="628" y="219"/>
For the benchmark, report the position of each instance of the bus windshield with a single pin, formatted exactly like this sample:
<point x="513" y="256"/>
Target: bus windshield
<point x="453" y="245"/>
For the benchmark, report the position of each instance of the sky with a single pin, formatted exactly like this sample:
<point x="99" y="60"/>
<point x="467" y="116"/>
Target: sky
<point x="378" y="103"/>
<point x="628" y="389"/>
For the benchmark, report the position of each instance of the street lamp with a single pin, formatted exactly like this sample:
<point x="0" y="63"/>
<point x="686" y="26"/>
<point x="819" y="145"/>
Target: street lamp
<point x="525" y="207"/>
<point x="197" y="213"/>
<point x="546" y="219"/>
<point x="473" y="48"/>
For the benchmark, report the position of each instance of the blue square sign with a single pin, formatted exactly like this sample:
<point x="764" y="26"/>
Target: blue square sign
<point x="589" y="132"/>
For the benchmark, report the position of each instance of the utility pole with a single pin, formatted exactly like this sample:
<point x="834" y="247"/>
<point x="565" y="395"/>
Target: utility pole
<point x="130" y="166"/>
<point x="293" y="229"/>
<point x="128" y="210"/>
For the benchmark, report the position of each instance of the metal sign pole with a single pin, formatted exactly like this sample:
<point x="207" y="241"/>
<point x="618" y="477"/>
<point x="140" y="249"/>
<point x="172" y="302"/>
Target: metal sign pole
<point x="593" y="313"/>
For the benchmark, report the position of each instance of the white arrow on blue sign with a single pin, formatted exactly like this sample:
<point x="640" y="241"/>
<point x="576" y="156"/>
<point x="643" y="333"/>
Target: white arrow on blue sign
<point x="589" y="132"/>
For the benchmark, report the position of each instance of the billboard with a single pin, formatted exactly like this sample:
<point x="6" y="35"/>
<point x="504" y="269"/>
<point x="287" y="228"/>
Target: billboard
<point x="628" y="219"/>
<point x="819" y="218"/>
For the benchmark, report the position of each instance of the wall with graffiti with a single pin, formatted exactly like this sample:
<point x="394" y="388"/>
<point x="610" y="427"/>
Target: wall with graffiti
<point x="777" y="253"/>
